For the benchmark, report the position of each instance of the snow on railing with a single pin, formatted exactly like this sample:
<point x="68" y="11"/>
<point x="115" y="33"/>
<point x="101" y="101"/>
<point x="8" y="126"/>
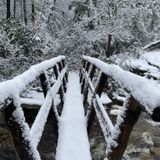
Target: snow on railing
<point x="14" y="87"/>
<point x="140" y="88"/>
<point x="41" y="118"/>
<point x="142" y="95"/>
<point x="26" y="140"/>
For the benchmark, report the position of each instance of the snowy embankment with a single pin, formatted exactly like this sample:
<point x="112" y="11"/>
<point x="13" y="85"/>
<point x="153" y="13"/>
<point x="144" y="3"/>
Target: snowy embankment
<point x="140" y="88"/>
<point x="12" y="88"/>
<point x="148" y="64"/>
<point x="73" y="141"/>
<point x="152" y="57"/>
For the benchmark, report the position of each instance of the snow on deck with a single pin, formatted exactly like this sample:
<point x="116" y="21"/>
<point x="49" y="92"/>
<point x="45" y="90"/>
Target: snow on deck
<point x="73" y="141"/>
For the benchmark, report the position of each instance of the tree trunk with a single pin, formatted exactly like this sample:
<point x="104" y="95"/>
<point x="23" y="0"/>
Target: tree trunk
<point x="25" y="12"/>
<point x="108" y="49"/>
<point x="33" y="12"/>
<point x="14" y="9"/>
<point x="8" y="9"/>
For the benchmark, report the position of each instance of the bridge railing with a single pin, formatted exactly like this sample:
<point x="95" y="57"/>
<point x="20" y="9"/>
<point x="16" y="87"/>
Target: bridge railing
<point x="143" y="95"/>
<point x="26" y="139"/>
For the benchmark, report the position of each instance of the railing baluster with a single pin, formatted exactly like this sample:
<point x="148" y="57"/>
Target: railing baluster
<point x="130" y="118"/>
<point x="91" y="74"/>
<point x="83" y="66"/>
<point x="98" y="90"/>
<point x="45" y="88"/>
<point x="61" y="90"/>
<point x="44" y="83"/>
<point x="86" y="67"/>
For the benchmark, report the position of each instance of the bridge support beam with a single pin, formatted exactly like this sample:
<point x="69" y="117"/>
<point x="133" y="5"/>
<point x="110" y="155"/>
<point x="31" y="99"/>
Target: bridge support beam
<point x="131" y="116"/>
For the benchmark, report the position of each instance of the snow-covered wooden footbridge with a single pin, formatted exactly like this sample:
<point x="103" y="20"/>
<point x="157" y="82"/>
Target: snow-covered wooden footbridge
<point x="80" y="100"/>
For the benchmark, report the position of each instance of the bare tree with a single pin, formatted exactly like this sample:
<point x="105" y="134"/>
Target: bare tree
<point x="25" y="12"/>
<point x="8" y="8"/>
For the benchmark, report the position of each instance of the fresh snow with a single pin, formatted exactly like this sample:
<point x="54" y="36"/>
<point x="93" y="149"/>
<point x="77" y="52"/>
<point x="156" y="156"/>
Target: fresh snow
<point x="152" y="57"/>
<point x="73" y="141"/>
<point x="18" y="84"/>
<point x="20" y="119"/>
<point x="41" y="118"/>
<point x="141" y="88"/>
<point x="105" y="99"/>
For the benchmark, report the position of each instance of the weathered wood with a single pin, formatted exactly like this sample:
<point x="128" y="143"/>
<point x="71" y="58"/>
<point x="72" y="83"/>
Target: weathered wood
<point x="156" y="114"/>
<point x="45" y="88"/>
<point x="91" y="74"/>
<point x="83" y="79"/>
<point x="66" y="76"/>
<point x="55" y="68"/>
<point x="55" y="71"/>
<point x="86" y="68"/>
<point x="44" y="83"/>
<point x="63" y="87"/>
<point x="93" y="69"/>
<point x="21" y="143"/>
<point x="83" y="66"/>
<point x="8" y="5"/>
<point x="85" y="83"/>
<point x="98" y="90"/>
<point x="131" y="116"/>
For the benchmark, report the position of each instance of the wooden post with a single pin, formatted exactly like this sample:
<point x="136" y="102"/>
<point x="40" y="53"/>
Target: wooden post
<point x="90" y="74"/>
<point x="98" y="90"/>
<point x="108" y="50"/>
<point x="8" y="5"/>
<point x="62" y="64"/>
<point x="86" y="67"/>
<point x="83" y="66"/>
<point x="56" y="75"/>
<point x="63" y="87"/>
<point x="55" y="71"/>
<point x="131" y="116"/>
<point x="66" y="76"/>
<point x="44" y="83"/>
<point x="45" y="87"/>
<point x="85" y="83"/>
<point x="21" y="143"/>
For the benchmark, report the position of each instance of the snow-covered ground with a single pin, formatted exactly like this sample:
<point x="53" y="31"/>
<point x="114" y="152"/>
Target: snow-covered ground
<point x="73" y="141"/>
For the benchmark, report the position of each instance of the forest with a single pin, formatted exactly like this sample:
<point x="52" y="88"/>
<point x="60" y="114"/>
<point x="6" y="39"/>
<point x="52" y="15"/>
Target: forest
<point x="114" y="44"/>
<point x="33" y="30"/>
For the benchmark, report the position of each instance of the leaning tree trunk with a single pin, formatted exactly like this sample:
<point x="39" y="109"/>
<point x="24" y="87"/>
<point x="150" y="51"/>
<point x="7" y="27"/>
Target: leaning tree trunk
<point x="8" y="4"/>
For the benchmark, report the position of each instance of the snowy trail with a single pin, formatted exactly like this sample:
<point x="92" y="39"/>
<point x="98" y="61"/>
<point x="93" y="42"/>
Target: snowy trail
<point x="73" y="141"/>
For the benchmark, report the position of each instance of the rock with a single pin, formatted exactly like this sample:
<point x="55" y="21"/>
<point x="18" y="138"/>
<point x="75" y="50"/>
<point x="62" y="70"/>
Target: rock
<point x="155" y="150"/>
<point x="145" y="156"/>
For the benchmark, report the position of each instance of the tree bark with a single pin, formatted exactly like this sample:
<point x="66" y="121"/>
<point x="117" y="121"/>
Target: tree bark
<point x="108" y="49"/>
<point x="8" y="8"/>
<point x="25" y="12"/>
<point x="14" y="9"/>
<point x="33" y="12"/>
<point x="131" y="116"/>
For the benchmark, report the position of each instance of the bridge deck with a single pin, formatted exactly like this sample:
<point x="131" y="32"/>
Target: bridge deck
<point x="73" y="140"/>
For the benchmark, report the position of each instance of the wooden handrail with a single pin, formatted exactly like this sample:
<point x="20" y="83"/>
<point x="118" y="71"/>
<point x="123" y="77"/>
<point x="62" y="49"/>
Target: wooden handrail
<point x="25" y="139"/>
<point x="116" y="136"/>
